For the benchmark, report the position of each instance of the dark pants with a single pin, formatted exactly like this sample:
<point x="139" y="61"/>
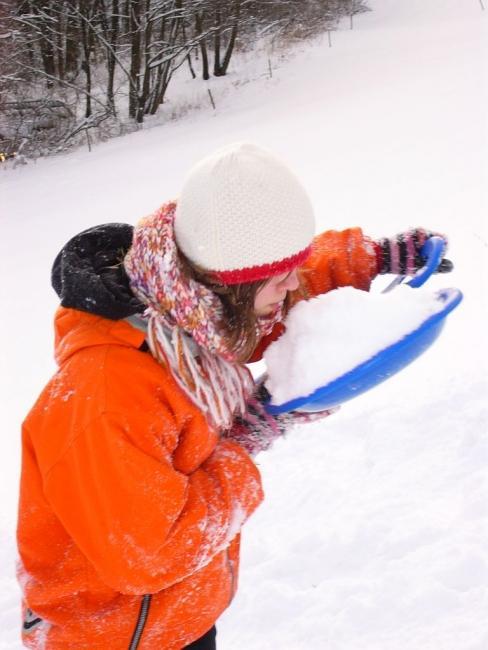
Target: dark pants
<point x="206" y="642"/>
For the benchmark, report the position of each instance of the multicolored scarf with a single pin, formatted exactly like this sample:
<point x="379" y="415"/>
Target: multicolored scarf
<point x="184" y="322"/>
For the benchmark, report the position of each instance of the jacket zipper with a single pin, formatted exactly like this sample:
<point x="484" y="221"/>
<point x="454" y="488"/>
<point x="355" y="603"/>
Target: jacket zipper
<point x="141" y="622"/>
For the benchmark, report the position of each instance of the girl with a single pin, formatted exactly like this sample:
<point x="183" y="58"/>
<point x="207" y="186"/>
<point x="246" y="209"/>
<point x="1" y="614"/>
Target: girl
<point x="137" y="470"/>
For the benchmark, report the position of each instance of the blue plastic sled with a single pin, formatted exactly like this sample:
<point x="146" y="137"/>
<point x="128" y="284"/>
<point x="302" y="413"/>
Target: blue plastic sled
<point x="391" y="359"/>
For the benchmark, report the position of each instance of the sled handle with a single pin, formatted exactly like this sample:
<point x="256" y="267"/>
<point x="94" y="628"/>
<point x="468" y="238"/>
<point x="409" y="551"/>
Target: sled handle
<point x="432" y="252"/>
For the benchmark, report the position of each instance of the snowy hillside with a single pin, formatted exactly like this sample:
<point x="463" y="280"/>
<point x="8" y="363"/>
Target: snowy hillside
<point x="374" y="532"/>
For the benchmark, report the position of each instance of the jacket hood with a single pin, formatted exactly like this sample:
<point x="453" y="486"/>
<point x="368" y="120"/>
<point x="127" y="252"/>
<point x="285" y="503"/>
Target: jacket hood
<point x="88" y="273"/>
<point x="76" y="330"/>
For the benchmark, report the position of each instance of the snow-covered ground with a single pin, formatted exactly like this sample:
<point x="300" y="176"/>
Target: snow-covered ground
<point x="374" y="532"/>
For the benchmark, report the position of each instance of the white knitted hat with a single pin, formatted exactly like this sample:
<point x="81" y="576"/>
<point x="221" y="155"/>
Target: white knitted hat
<point x="243" y="215"/>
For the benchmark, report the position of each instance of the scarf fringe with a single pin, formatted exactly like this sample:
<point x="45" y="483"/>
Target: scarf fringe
<point x="218" y="387"/>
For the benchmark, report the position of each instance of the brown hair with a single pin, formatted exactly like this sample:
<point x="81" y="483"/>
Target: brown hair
<point x="239" y="320"/>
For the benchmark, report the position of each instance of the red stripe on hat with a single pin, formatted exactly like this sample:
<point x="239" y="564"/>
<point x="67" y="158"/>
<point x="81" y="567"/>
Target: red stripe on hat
<point x="262" y="271"/>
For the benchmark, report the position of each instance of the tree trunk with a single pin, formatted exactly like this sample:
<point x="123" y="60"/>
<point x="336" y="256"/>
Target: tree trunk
<point x="232" y="39"/>
<point x="165" y="70"/>
<point x="135" y="7"/>
<point x="85" y="66"/>
<point x="203" y="45"/>
<point x="217" y="40"/>
<point x="113" y="38"/>
<point x="61" y="42"/>
<point x="221" y="65"/>
<point x="146" y="33"/>
<point x="125" y="19"/>
<point x="188" y="57"/>
<point x="47" y="56"/>
<point x="71" y="55"/>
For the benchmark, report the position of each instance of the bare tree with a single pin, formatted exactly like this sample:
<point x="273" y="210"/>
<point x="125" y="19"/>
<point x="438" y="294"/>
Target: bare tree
<point x="74" y="67"/>
<point x="110" y="28"/>
<point x="200" y="36"/>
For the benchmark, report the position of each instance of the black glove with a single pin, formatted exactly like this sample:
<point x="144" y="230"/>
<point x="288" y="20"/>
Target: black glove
<point x="400" y="255"/>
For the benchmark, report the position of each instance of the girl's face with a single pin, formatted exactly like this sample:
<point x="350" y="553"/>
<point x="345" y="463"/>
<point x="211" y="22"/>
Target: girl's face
<point x="274" y="292"/>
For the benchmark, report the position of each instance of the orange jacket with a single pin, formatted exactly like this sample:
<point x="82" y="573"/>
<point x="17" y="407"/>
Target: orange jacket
<point x="126" y="491"/>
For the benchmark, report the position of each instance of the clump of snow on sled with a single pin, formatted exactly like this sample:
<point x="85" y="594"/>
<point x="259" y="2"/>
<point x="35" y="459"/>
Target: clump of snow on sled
<point x="332" y="334"/>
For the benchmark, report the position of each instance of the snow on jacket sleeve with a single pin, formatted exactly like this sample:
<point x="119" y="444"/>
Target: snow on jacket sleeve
<point x="142" y="524"/>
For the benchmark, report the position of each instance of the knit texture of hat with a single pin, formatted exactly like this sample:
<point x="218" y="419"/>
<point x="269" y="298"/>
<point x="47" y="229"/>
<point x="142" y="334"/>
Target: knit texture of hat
<point x="243" y="215"/>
